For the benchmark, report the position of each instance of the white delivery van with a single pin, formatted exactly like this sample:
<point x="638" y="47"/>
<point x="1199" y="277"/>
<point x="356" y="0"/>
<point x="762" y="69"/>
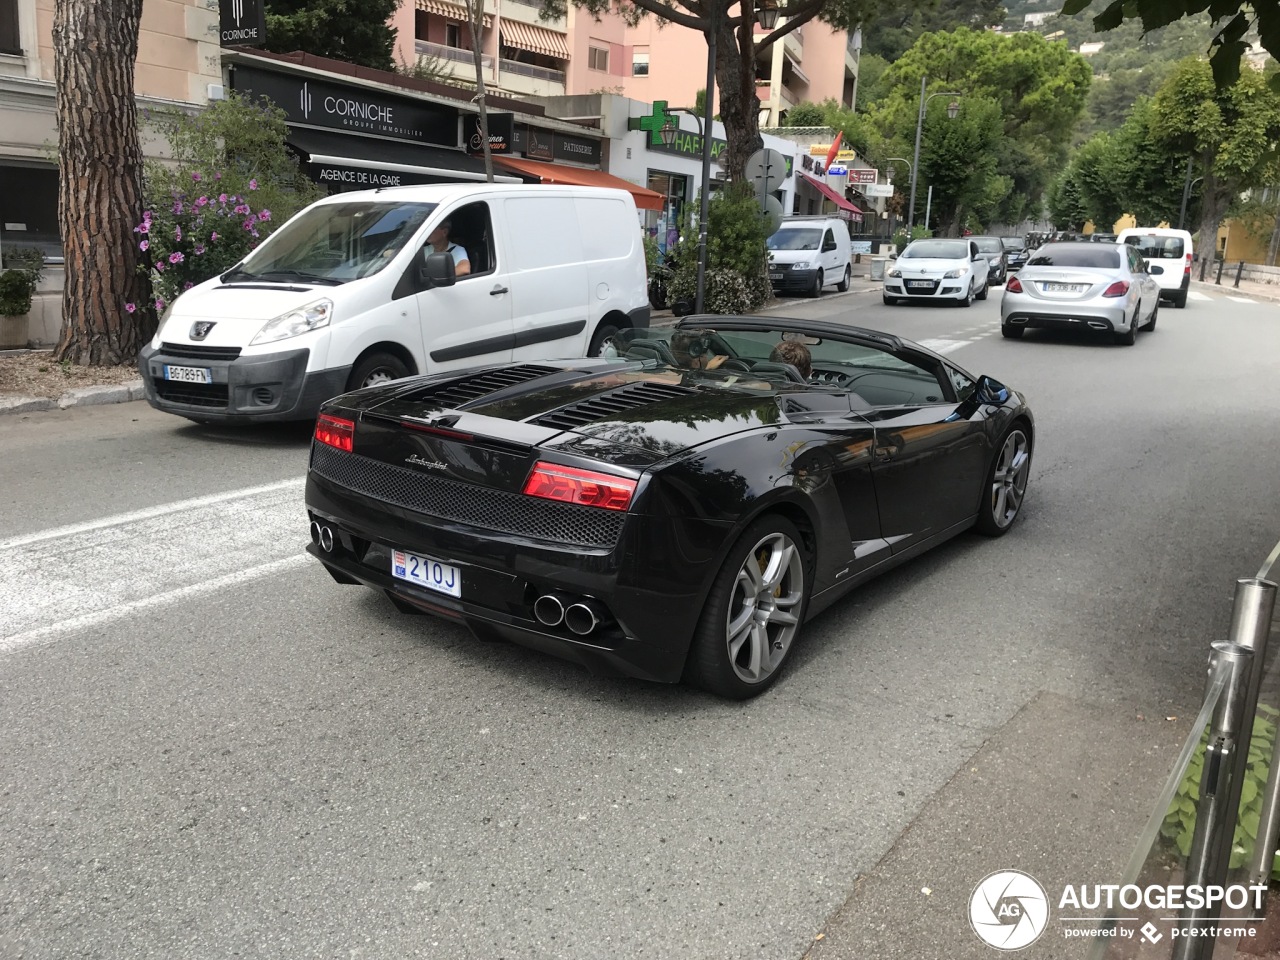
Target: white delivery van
<point x="809" y="253"/>
<point x="350" y="293"/>
<point x="1169" y="253"/>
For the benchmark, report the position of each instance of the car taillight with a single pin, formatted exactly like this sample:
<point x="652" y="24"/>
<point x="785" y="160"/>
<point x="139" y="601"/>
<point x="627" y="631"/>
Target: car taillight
<point x="335" y="432"/>
<point x="583" y="487"/>
<point x="1117" y="289"/>
<point x="1012" y="285"/>
<point x="1187" y="267"/>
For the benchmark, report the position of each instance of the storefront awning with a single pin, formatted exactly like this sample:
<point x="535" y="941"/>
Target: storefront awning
<point x="855" y="214"/>
<point x="535" y="39"/>
<point x="580" y="176"/>
<point x="451" y="11"/>
<point x="339" y="159"/>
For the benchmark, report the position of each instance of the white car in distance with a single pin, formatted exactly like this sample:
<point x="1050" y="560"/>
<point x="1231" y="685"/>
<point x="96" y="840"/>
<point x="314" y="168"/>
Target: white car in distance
<point x="937" y="269"/>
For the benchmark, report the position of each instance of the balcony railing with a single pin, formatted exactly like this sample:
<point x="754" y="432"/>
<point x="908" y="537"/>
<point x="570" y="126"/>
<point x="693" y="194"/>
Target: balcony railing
<point x="532" y="70"/>
<point x="425" y="48"/>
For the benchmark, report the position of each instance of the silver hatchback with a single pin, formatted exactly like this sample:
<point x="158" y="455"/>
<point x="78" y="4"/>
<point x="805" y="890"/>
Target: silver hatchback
<point x="1107" y="287"/>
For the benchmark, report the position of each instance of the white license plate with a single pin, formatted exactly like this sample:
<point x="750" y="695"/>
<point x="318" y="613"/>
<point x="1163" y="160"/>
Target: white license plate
<point x="426" y="572"/>
<point x="919" y="283"/>
<point x="188" y="374"/>
<point x="1063" y="287"/>
<point x="775" y="276"/>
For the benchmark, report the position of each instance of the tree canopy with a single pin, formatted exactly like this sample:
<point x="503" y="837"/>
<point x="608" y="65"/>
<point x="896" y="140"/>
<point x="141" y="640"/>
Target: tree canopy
<point x="354" y="32"/>
<point x="892" y="34"/>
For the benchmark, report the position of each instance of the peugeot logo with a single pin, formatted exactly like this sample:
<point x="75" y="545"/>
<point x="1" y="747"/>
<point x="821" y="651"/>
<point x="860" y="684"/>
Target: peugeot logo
<point x="418" y="461"/>
<point x="200" y="329"/>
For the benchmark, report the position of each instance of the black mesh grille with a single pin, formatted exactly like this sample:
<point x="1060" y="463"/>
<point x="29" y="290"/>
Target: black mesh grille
<point x="199" y="352"/>
<point x="610" y="404"/>
<point x="193" y="394"/>
<point x="455" y="393"/>
<point x="466" y="503"/>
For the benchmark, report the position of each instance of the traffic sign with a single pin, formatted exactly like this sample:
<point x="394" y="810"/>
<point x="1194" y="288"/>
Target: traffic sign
<point x="772" y="214"/>
<point x="766" y="170"/>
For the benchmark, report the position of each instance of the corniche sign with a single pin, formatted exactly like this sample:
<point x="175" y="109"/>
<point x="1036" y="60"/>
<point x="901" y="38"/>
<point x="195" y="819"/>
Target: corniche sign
<point x="323" y="103"/>
<point x="242" y="23"/>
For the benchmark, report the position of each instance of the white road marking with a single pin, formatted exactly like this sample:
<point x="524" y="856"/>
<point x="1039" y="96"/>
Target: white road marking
<point x="79" y="576"/>
<point x="1197" y="295"/>
<point x="1240" y="299"/>
<point x="943" y="346"/>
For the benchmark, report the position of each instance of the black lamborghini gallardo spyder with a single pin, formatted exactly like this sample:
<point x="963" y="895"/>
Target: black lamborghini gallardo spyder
<point x="675" y="509"/>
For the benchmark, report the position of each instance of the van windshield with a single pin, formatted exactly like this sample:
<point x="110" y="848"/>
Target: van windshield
<point x="334" y="242"/>
<point x="795" y="240"/>
<point x="1157" y="248"/>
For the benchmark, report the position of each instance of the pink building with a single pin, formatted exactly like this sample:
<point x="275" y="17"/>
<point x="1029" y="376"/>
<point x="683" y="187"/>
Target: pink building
<point x="578" y="54"/>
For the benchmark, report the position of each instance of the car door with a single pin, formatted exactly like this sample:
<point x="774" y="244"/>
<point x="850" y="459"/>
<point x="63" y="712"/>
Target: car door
<point x="832" y="268"/>
<point x="470" y="323"/>
<point x="1146" y="282"/>
<point x="978" y="265"/>
<point x="931" y="449"/>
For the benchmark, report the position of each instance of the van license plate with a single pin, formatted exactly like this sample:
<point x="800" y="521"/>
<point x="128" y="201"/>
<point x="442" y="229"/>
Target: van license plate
<point x="426" y="572"/>
<point x="188" y="374"/>
<point x="775" y="276"/>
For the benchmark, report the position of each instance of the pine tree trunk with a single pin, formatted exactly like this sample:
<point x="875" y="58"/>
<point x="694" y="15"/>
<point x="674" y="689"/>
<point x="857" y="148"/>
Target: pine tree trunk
<point x="739" y="107"/>
<point x="475" y="13"/>
<point x="95" y="44"/>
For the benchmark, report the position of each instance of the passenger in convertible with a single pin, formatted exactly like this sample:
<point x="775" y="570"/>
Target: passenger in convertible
<point x="796" y="354"/>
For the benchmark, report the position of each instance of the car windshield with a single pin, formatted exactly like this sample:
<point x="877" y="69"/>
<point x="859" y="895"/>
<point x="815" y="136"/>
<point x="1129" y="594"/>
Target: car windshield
<point x="937" y="250"/>
<point x="334" y="242"/>
<point x="1013" y="243"/>
<point x="988" y="244"/>
<point x="795" y="240"/>
<point x="1157" y="248"/>
<point x="1076" y="255"/>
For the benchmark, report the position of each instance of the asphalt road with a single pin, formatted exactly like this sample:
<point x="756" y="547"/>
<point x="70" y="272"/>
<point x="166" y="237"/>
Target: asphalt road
<point x="212" y="750"/>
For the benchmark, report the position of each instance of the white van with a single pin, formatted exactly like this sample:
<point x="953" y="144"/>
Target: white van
<point x="350" y="293"/>
<point x="809" y="253"/>
<point x="1169" y="254"/>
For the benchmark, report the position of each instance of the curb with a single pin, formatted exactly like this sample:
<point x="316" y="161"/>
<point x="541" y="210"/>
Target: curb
<point x="1207" y="285"/>
<point x="80" y="397"/>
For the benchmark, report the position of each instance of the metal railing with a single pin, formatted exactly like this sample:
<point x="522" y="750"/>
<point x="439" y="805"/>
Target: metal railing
<point x="532" y="70"/>
<point x="426" y="48"/>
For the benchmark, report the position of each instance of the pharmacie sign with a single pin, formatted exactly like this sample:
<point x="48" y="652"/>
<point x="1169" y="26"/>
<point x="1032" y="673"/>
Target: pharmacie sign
<point x="688" y="144"/>
<point x="325" y="103"/>
<point x="242" y="23"/>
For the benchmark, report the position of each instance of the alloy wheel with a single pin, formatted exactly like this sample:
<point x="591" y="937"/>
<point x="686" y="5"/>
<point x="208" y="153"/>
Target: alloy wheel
<point x="1009" y="479"/>
<point x="764" y="609"/>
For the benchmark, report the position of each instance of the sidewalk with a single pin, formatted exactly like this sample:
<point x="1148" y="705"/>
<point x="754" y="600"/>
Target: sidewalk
<point x="1269" y="292"/>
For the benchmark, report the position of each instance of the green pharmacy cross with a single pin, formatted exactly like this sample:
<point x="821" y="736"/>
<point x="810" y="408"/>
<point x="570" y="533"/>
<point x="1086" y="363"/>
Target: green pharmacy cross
<point x="654" y="122"/>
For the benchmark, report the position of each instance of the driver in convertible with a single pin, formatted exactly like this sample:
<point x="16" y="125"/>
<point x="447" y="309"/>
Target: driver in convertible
<point x="693" y="350"/>
<point x="796" y="354"/>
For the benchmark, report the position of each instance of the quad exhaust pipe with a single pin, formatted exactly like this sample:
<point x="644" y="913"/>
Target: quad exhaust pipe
<point x="580" y="616"/>
<point x="323" y="535"/>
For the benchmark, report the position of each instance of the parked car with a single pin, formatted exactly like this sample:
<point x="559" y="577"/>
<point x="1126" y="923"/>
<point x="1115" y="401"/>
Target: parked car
<point x="997" y="260"/>
<point x="809" y="253"/>
<point x="1083" y="286"/>
<point x="1172" y="250"/>
<point x="350" y="292"/>
<point x="1103" y="237"/>
<point x="679" y="510"/>
<point x="1016" y="252"/>
<point x="931" y="269"/>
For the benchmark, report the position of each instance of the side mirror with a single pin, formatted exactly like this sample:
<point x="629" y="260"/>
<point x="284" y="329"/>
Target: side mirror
<point x="437" y="271"/>
<point x="991" y="391"/>
<point x="1153" y="269"/>
<point x="829" y="245"/>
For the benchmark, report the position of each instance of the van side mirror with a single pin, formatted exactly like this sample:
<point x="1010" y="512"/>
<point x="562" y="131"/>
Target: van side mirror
<point x="991" y="391"/>
<point x="1153" y="269"/>
<point x="437" y="271"/>
<point x="829" y="245"/>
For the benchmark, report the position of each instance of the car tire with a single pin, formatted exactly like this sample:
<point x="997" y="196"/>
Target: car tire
<point x="968" y="300"/>
<point x="1130" y="337"/>
<point x="816" y="290"/>
<point x="744" y="662"/>
<point x="889" y="301"/>
<point x="376" y="368"/>
<point x="1010" y="332"/>
<point x="1005" y="488"/>
<point x="843" y="285"/>
<point x="605" y="332"/>
<point x="985" y="290"/>
<point x="1155" y="312"/>
<point x="1180" y="299"/>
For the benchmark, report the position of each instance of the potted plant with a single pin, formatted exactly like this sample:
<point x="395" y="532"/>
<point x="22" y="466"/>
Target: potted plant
<point x="17" y="287"/>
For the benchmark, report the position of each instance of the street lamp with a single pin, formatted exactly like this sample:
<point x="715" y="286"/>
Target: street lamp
<point x="767" y="15"/>
<point x="953" y="108"/>
<point x="911" y="173"/>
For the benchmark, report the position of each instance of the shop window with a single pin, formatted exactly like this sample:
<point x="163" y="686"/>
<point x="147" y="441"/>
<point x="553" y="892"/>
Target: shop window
<point x="640" y="63"/>
<point x="598" y="58"/>
<point x="453" y="35"/>
<point x="29" y="209"/>
<point x="10" y="41"/>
